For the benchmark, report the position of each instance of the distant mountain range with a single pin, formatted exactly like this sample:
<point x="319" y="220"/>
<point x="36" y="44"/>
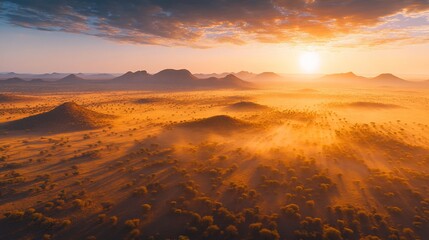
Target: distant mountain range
<point x="385" y="79"/>
<point x="168" y="79"/>
<point x="171" y="79"/>
<point x="180" y="79"/>
<point x="56" y="76"/>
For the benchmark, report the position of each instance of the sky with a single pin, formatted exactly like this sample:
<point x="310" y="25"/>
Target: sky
<point x="206" y="36"/>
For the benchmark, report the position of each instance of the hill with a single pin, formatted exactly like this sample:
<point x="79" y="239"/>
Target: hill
<point x="173" y="77"/>
<point x="229" y="81"/>
<point x="245" y="75"/>
<point x="388" y="78"/>
<point x="68" y="116"/>
<point x="168" y="79"/>
<point x="219" y="123"/>
<point x="267" y="77"/>
<point x="72" y="78"/>
<point x="13" y="80"/>
<point x="343" y="77"/>
<point x="385" y="79"/>
<point x="178" y="79"/>
<point x="132" y="77"/>
<point x="247" y="106"/>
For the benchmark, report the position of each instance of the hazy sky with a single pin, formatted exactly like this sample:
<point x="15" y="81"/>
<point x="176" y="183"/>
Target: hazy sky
<point x="365" y="36"/>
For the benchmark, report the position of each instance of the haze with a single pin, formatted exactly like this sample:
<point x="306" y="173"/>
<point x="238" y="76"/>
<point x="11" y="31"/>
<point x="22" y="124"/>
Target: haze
<point x="214" y="120"/>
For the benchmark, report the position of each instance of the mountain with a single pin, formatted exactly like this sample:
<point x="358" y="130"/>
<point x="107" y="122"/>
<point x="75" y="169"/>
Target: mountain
<point x="132" y="77"/>
<point x="172" y="76"/>
<point x="68" y="116"/>
<point x="178" y="79"/>
<point x="242" y="75"/>
<point x="266" y="77"/>
<point x="385" y="79"/>
<point x="343" y="77"/>
<point x="229" y="81"/>
<point x="388" y="78"/>
<point x="72" y="78"/>
<point x="95" y="76"/>
<point x="209" y="75"/>
<point x="13" y="80"/>
<point x="168" y="79"/>
<point x="245" y="75"/>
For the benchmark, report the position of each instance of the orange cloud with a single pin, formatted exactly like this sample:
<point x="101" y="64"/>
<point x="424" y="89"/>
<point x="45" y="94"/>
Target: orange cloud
<point x="206" y="23"/>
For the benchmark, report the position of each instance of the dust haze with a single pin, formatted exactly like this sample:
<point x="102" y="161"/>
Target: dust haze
<point x="299" y="161"/>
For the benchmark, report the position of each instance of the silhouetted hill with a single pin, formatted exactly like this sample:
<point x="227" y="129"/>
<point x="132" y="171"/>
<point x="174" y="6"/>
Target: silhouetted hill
<point x="172" y="76"/>
<point x="267" y="77"/>
<point x="245" y="75"/>
<point x="247" y="106"/>
<point x="229" y="81"/>
<point x="388" y="78"/>
<point x="132" y="77"/>
<point x="71" y="79"/>
<point x="13" y="80"/>
<point x="385" y="79"/>
<point x="178" y="79"/>
<point x="343" y="77"/>
<point x="66" y="117"/>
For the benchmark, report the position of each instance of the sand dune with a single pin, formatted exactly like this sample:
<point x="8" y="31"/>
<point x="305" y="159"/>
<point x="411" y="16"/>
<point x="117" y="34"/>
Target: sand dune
<point x="367" y="105"/>
<point x="68" y="116"/>
<point x="220" y="123"/>
<point x="247" y="106"/>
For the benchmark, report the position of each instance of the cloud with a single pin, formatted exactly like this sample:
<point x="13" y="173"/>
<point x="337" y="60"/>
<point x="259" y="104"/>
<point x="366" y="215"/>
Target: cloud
<point x="206" y="23"/>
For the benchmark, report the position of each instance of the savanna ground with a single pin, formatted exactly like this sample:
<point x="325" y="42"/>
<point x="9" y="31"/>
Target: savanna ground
<point x="316" y="164"/>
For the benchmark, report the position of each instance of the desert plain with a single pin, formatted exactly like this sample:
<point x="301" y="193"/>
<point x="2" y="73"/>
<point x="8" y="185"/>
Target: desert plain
<point x="283" y="163"/>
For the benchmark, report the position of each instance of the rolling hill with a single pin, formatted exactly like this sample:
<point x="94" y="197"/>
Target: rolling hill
<point x="68" y="116"/>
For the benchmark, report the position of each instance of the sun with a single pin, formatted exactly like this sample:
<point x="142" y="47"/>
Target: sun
<point x="309" y="62"/>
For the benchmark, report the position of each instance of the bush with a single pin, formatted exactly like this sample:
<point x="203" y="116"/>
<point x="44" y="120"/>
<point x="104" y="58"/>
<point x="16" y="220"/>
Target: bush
<point x="268" y="234"/>
<point x="231" y="231"/>
<point x="132" y="223"/>
<point x="134" y="233"/>
<point x="114" y="220"/>
<point x="146" y="208"/>
<point x="140" y="191"/>
<point x="331" y="233"/>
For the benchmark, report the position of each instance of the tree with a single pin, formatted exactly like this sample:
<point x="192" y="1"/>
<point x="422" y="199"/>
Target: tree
<point x="331" y="233"/>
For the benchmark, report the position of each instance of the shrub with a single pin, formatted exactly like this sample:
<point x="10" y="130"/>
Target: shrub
<point x="114" y="220"/>
<point x="132" y="223"/>
<point x="66" y="223"/>
<point x="231" y="231"/>
<point x="140" y="191"/>
<point x="331" y="233"/>
<point x="291" y="211"/>
<point x="268" y="234"/>
<point x="146" y="208"/>
<point x="207" y="220"/>
<point x="134" y="233"/>
<point x="101" y="217"/>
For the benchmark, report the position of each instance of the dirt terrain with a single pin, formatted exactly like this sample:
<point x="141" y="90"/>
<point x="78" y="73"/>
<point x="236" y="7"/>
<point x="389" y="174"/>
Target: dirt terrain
<point x="319" y="163"/>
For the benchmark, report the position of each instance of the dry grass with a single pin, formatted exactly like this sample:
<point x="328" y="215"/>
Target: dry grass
<point x="180" y="168"/>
